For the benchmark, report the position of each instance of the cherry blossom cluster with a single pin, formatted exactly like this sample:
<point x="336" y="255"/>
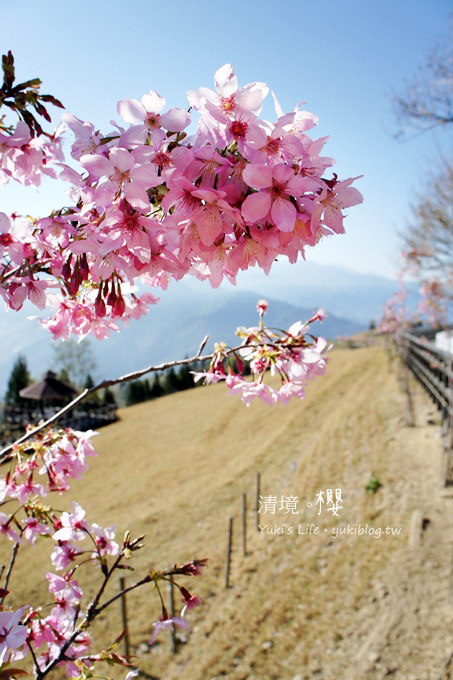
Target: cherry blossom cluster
<point x="435" y="294"/>
<point x="150" y="203"/>
<point x="294" y="355"/>
<point x="26" y="159"/>
<point x="433" y="303"/>
<point x="393" y="316"/>
<point x="60" y="636"/>
<point x="26" y="151"/>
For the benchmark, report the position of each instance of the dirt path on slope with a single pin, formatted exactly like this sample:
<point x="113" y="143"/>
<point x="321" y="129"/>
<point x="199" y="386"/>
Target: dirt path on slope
<point x="407" y="627"/>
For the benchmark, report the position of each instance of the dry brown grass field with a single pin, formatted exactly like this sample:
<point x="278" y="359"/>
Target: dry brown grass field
<point x="299" y="606"/>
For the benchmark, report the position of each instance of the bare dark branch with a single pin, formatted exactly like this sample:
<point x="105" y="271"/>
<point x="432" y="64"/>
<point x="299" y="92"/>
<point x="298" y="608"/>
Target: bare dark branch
<point x="427" y="101"/>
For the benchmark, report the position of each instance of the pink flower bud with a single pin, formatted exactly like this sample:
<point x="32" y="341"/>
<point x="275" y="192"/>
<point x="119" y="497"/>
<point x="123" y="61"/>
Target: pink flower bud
<point x="262" y="306"/>
<point x="99" y="306"/>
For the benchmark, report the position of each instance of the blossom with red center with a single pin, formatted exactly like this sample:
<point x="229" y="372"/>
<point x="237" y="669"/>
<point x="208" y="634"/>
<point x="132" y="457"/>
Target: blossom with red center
<point x="276" y="186"/>
<point x="147" y="117"/>
<point x="228" y="97"/>
<point x="104" y="540"/>
<point x="214" y="216"/>
<point x="27" y="489"/>
<point x="64" y="554"/>
<point x="74" y="525"/>
<point x="261" y="306"/>
<point x="34" y="528"/>
<point x="5" y="528"/>
<point x="190" y="601"/>
<point x="333" y="200"/>
<point x="123" y="173"/>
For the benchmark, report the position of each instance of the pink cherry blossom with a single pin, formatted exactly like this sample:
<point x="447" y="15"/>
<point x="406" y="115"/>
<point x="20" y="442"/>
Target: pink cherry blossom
<point x="12" y="634"/>
<point x="104" y="540"/>
<point x="27" y="489"/>
<point x="74" y="525"/>
<point x="11" y="235"/>
<point x="33" y="528"/>
<point x="64" y="554"/>
<point x="166" y="624"/>
<point x="228" y="95"/>
<point x="273" y="202"/>
<point x="123" y="174"/>
<point x="151" y="204"/>
<point x="148" y="112"/>
<point x="64" y="586"/>
<point x="331" y="204"/>
<point x="6" y="530"/>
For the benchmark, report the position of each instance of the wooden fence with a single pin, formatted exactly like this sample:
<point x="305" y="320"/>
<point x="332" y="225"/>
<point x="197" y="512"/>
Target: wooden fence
<point x="15" y="419"/>
<point x="433" y="369"/>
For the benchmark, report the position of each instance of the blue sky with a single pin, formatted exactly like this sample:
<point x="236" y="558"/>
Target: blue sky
<point x="342" y="57"/>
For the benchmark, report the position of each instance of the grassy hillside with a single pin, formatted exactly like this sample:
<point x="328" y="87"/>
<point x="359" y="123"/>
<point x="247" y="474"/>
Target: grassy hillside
<point x="299" y="605"/>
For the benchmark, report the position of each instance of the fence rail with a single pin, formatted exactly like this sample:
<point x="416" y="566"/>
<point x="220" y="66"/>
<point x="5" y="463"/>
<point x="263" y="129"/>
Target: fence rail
<point x="433" y="368"/>
<point x="15" y="419"/>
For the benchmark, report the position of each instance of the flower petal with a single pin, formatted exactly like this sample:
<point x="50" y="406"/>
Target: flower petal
<point x="257" y="176"/>
<point x="131" y="111"/>
<point x="256" y="206"/>
<point x="284" y="214"/>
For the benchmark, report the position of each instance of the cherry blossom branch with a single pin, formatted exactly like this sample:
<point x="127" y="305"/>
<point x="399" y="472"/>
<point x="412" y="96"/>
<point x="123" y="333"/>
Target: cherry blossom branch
<point x="65" y="633"/>
<point x="128" y="545"/>
<point x="98" y="610"/>
<point x="128" y="377"/>
<point x="32" y="652"/>
<point x="282" y="352"/>
<point x="10" y="568"/>
<point x="91" y="613"/>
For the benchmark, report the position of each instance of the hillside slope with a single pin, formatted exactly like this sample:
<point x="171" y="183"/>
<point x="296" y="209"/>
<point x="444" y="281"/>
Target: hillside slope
<point x="320" y="605"/>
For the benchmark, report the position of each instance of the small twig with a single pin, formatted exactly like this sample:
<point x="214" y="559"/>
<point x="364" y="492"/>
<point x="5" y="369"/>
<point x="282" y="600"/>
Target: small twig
<point x="202" y="346"/>
<point x="92" y="607"/>
<point x="10" y="567"/>
<point x="32" y="651"/>
<point x="172" y="643"/>
<point x="124" y="619"/>
<point x="145" y="579"/>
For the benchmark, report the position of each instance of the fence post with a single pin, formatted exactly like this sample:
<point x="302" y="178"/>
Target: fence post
<point x="409" y="418"/>
<point x="257" y="500"/>
<point x="447" y="427"/>
<point x="124" y="617"/>
<point x="228" y="552"/>
<point x="244" y="524"/>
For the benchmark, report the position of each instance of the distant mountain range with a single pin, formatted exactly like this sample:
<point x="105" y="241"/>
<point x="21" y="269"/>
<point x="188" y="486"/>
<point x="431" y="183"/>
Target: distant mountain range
<point x="191" y="309"/>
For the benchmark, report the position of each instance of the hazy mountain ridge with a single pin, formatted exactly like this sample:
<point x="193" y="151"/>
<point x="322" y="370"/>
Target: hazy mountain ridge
<point x="343" y="292"/>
